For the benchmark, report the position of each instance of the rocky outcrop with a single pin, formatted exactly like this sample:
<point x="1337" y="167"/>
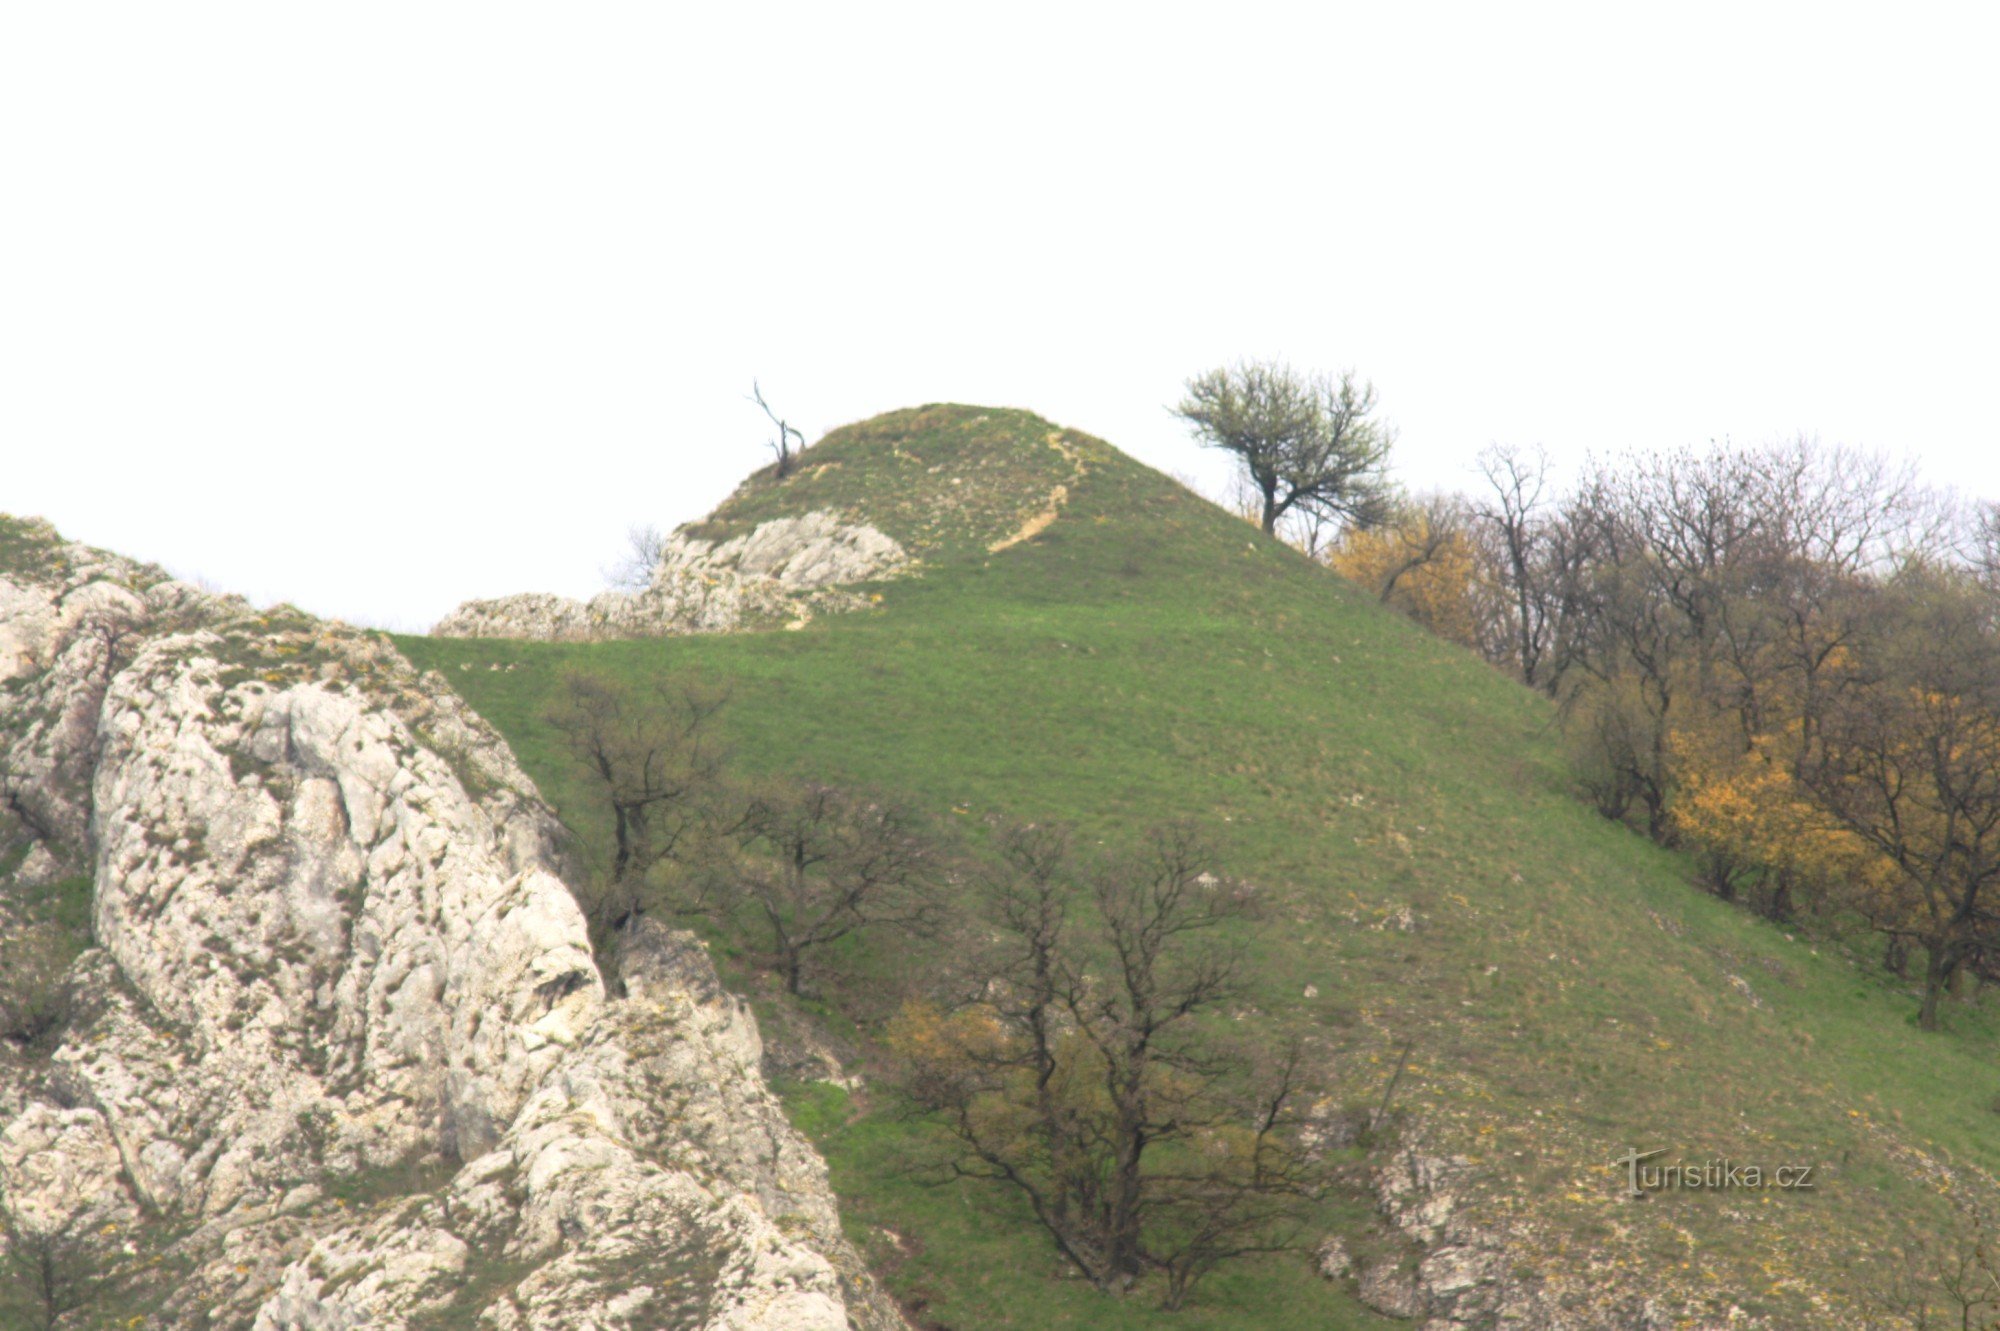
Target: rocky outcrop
<point x="1442" y="1269"/>
<point x="1447" y="1260"/>
<point x="340" y="1056"/>
<point x="782" y="572"/>
<point x="648" y="1181"/>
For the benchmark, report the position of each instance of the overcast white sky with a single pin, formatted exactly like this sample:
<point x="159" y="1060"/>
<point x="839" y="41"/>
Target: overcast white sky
<point x="376" y="307"/>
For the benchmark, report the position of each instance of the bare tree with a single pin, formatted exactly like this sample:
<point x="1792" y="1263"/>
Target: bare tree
<point x="1246" y="1199"/>
<point x="1674" y="546"/>
<point x="1307" y="443"/>
<point x="1979" y="544"/>
<point x="633" y="570"/>
<point x="1631" y="654"/>
<point x="1853" y="509"/>
<point x="789" y="442"/>
<point x="1515" y="512"/>
<point x="1948" y="1281"/>
<point x="826" y="863"/>
<point x="1081" y="1076"/>
<point x="652" y="751"/>
<point x="1907" y="758"/>
<point x="115" y="632"/>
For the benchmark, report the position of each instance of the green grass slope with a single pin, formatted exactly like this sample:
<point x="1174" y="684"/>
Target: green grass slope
<point x="1568" y="995"/>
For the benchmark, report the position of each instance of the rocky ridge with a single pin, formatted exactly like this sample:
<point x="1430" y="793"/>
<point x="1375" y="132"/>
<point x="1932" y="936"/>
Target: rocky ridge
<point x="783" y="572"/>
<point x="338" y="1054"/>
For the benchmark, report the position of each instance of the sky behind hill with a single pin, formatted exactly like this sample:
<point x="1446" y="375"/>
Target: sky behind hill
<point x="378" y="307"/>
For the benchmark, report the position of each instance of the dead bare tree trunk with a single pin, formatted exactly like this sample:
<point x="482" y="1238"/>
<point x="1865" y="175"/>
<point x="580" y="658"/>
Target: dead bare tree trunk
<point x="783" y="447"/>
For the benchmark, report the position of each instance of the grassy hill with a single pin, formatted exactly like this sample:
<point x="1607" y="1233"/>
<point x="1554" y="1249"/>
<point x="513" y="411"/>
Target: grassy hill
<point x="1138" y="654"/>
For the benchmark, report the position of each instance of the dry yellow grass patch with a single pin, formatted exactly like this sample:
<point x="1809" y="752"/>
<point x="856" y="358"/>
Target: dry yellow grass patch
<point x="1038" y="523"/>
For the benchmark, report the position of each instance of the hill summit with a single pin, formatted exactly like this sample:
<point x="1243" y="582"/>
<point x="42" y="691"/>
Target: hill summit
<point x="946" y="482"/>
<point x="869" y="502"/>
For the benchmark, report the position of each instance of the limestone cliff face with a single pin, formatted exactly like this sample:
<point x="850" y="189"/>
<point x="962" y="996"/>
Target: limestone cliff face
<point x="339" y="1056"/>
<point x="783" y="572"/>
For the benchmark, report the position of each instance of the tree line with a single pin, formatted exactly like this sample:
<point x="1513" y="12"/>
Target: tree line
<point x="1785" y="660"/>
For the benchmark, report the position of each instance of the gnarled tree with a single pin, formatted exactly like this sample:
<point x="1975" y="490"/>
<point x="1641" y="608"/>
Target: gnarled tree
<point x="652" y="750"/>
<point x="824" y="863"/>
<point x="1082" y="1075"/>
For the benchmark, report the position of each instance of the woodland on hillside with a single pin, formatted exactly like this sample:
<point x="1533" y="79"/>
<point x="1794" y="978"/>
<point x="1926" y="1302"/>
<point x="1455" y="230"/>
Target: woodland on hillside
<point x="1785" y="660"/>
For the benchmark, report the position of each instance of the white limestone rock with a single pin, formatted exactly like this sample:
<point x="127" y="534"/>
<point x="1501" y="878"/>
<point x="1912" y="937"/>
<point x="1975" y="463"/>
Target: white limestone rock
<point x="61" y="1173"/>
<point x="812" y="550"/>
<point x="784" y="571"/>
<point x="1392" y="1291"/>
<point x="651" y="1181"/>
<point x="336" y="957"/>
